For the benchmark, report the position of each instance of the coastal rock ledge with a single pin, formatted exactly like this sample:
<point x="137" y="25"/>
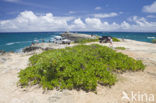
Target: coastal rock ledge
<point x="30" y="48"/>
<point x="76" y="36"/>
<point x="2" y="52"/>
<point x="47" y="46"/>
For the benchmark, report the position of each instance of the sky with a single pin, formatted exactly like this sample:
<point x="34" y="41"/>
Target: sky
<point x="77" y="15"/>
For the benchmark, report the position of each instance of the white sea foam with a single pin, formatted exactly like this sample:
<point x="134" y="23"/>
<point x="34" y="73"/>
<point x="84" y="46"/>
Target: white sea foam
<point x="10" y="43"/>
<point x="150" y="37"/>
<point x="36" y="40"/>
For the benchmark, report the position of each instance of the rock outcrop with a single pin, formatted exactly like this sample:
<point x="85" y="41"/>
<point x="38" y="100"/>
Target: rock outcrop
<point x="2" y="52"/>
<point x="30" y="48"/>
<point x="42" y="47"/>
<point x="76" y="36"/>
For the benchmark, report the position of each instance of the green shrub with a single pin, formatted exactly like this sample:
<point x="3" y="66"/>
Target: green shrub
<point x="79" y="67"/>
<point x="86" y="40"/>
<point x="120" y="48"/>
<point x="154" y="41"/>
<point x="115" y="39"/>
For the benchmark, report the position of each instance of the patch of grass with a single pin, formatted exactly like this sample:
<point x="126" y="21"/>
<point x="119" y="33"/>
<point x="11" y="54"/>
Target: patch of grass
<point x="115" y="39"/>
<point x="120" y="48"/>
<point x="154" y="41"/>
<point x="79" y="67"/>
<point x="81" y="41"/>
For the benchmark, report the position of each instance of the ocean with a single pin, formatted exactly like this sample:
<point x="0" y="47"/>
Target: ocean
<point x="16" y="41"/>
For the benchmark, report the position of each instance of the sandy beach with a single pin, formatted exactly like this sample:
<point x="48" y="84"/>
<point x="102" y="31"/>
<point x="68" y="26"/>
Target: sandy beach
<point x="137" y="82"/>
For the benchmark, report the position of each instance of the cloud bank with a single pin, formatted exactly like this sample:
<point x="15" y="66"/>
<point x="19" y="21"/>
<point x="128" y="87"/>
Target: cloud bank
<point x="106" y="15"/>
<point x="150" y="8"/>
<point x="98" y="8"/>
<point x="28" y="21"/>
<point x="15" y="1"/>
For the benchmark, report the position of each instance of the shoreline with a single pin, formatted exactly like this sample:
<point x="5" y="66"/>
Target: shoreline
<point x="20" y="49"/>
<point x="46" y="43"/>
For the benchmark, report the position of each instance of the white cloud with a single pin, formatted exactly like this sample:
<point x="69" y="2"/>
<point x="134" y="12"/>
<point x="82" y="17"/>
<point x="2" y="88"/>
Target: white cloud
<point x="72" y="12"/>
<point x="125" y="25"/>
<point x="141" y="24"/>
<point x="151" y="16"/>
<point x="21" y="2"/>
<point x="105" y="15"/>
<point x="120" y="12"/>
<point x="140" y="21"/>
<point x="98" y="8"/>
<point x="77" y="24"/>
<point x="150" y="8"/>
<point x="93" y="23"/>
<point x="29" y="21"/>
<point x="12" y="1"/>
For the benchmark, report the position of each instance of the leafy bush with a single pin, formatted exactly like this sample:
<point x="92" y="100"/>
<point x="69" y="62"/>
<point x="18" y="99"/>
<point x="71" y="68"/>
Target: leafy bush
<point x="79" y="67"/>
<point x="115" y="39"/>
<point x="120" y="48"/>
<point x="154" y="41"/>
<point x="86" y="40"/>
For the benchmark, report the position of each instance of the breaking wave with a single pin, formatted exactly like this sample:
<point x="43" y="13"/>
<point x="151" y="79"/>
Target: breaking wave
<point x="150" y="37"/>
<point x="11" y="43"/>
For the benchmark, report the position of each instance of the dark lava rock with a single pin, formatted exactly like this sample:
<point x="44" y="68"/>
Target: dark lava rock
<point x="2" y="52"/>
<point x="30" y="48"/>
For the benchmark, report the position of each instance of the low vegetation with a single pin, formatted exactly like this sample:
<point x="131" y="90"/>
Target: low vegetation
<point x="86" y="40"/>
<point x="79" y="67"/>
<point x="120" y="48"/>
<point x="154" y="41"/>
<point x="115" y="39"/>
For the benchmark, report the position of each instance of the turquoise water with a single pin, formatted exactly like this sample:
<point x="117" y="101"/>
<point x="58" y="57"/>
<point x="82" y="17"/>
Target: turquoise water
<point x="16" y="41"/>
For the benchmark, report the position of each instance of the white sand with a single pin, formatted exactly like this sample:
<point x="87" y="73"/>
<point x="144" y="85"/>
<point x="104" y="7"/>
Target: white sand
<point x="138" y="82"/>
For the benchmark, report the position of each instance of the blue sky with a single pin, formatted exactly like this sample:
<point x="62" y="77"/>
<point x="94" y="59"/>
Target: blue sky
<point x="77" y="15"/>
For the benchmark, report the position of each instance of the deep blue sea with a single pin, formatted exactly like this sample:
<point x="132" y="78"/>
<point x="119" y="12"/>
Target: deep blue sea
<point x="16" y="41"/>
